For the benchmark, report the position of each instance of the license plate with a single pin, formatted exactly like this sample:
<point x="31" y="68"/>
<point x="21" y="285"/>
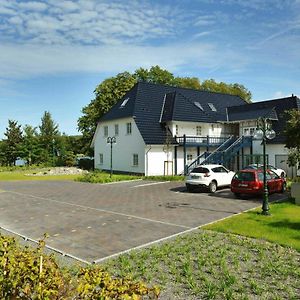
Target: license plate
<point x="195" y="177"/>
<point x="243" y="185"/>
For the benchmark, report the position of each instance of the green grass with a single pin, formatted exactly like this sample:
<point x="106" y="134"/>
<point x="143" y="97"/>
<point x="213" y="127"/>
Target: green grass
<point x="21" y="175"/>
<point x="104" y="177"/>
<point x="164" y="178"/>
<point x="213" y="265"/>
<point x="281" y="227"/>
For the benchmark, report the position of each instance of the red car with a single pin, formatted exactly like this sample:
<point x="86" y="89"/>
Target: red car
<point x="252" y="182"/>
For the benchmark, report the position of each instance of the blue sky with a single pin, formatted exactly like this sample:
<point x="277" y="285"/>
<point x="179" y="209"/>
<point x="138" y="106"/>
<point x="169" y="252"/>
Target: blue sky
<point x="53" y="53"/>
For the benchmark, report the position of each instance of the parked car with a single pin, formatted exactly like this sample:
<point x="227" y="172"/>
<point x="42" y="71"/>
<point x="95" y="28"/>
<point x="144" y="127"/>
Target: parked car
<point x="208" y="176"/>
<point x="278" y="171"/>
<point x="251" y="181"/>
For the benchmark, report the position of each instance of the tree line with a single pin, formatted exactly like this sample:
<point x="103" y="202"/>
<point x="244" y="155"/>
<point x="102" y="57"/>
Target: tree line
<point x="46" y="145"/>
<point x="112" y="89"/>
<point x="39" y="145"/>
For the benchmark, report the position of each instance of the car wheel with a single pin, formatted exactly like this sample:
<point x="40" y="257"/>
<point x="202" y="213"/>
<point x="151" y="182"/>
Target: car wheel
<point x="283" y="189"/>
<point x="189" y="188"/>
<point x="237" y="195"/>
<point x="213" y="187"/>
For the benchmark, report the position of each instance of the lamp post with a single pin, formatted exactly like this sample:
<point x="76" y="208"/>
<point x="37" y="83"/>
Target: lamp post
<point x="264" y="132"/>
<point x="111" y="140"/>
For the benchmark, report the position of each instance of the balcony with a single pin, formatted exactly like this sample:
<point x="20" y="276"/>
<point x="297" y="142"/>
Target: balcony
<point x="197" y="141"/>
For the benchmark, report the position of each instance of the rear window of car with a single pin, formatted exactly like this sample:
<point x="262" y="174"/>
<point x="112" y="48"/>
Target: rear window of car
<point x="245" y="176"/>
<point x="200" y="170"/>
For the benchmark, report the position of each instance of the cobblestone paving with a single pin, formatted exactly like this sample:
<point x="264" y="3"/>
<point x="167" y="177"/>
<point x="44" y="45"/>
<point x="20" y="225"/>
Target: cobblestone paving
<point x="93" y="221"/>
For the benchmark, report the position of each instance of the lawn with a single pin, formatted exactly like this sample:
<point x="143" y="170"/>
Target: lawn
<point x="21" y="175"/>
<point x="282" y="226"/>
<point x="213" y="265"/>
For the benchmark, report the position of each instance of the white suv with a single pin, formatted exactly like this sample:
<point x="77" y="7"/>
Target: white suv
<point x="208" y="176"/>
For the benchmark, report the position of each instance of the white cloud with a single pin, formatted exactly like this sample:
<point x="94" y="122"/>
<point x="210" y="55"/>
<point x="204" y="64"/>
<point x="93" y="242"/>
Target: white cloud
<point x="33" y="60"/>
<point x="33" y="5"/>
<point x="86" y="22"/>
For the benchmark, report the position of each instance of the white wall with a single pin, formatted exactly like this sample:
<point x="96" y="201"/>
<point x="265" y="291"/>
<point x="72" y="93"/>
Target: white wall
<point x="123" y="150"/>
<point x="155" y="157"/>
<point x="189" y="128"/>
<point x="246" y="124"/>
<point x="271" y="150"/>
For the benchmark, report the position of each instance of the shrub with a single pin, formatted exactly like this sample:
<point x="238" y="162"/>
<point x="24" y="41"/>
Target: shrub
<point x="86" y="163"/>
<point x="27" y="273"/>
<point x="103" y="177"/>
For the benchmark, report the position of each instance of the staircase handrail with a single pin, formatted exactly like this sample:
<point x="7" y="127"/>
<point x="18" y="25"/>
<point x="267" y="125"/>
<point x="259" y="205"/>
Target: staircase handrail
<point x="218" y="149"/>
<point x="235" y="143"/>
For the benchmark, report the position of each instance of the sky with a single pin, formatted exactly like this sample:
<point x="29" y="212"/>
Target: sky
<point x="54" y="53"/>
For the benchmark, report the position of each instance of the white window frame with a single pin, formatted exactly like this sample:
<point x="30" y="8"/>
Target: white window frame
<point x="135" y="160"/>
<point x="129" y="128"/>
<point x="211" y="106"/>
<point x="176" y="130"/>
<point x="198" y="130"/>
<point x="189" y="157"/>
<point x="101" y="158"/>
<point x="249" y="131"/>
<point x="116" y="129"/>
<point x="105" y="129"/>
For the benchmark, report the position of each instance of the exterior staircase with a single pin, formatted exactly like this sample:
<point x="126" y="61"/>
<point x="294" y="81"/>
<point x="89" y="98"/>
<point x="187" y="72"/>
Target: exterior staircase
<point x="223" y="154"/>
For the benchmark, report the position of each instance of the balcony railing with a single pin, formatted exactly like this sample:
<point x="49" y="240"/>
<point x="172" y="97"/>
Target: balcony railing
<point x="200" y="140"/>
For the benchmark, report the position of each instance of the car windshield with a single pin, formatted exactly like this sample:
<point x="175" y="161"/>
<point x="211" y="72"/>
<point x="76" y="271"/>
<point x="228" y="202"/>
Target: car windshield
<point x="244" y="176"/>
<point x="200" y="170"/>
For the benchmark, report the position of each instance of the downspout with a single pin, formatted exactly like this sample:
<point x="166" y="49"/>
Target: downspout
<point x="146" y="170"/>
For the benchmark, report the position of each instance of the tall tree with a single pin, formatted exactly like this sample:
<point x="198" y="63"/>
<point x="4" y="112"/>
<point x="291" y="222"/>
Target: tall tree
<point x="107" y="94"/>
<point x="292" y="133"/>
<point x="113" y="89"/>
<point x="13" y="142"/>
<point x="221" y="87"/>
<point x="48" y="135"/>
<point x="31" y="149"/>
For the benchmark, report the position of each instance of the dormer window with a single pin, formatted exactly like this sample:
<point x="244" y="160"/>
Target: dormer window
<point x="124" y="102"/>
<point x="212" y="107"/>
<point x="198" y="105"/>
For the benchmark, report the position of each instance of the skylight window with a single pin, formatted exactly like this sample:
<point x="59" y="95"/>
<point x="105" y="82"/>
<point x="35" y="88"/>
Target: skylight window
<point x="198" y="105"/>
<point x="124" y="102"/>
<point x="212" y="107"/>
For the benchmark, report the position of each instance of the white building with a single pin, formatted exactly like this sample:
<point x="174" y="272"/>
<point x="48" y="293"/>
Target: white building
<point x="161" y="129"/>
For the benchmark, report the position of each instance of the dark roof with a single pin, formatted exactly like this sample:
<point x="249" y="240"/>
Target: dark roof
<point x="151" y="105"/>
<point x="275" y="110"/>
<point x="245" y="112"/>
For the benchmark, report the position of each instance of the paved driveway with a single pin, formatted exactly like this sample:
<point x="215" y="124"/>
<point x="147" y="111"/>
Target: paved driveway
<point x="93" y="221"/>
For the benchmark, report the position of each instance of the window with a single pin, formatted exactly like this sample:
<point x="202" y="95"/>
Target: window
<point x="212" y="107"/>
<point x="212" y="127"/>
<point x="249" y="131"/>
<point x="135" y="160"/>
<point x="101" y="158"/>
<point x="116" y="129"/>
<point x="124" y="102"/>
<point x="219" y="170"/>
<point x="189" y="157"/>
<point x="128" y="128"/>
<point x="176" y="130"/>
<point x="198" y="130"/>
<point x="105" y="130"/>
<point x="198" y="105"/>
<point x="200" y="170"/>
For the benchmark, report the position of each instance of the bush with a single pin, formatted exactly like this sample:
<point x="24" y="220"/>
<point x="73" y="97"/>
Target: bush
<point x="103" y="177"/>
<point x="86" y="163"/>
<point x="27" y="273"/>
